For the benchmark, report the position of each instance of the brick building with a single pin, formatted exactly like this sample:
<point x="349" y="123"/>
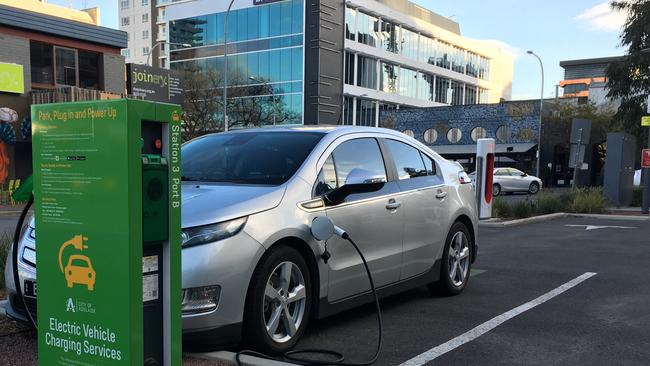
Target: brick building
<point x="49" y="50"/>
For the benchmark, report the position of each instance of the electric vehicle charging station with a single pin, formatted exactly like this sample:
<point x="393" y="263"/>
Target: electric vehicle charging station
<point x="107" y="186"/>
<point x="484" y="176"/>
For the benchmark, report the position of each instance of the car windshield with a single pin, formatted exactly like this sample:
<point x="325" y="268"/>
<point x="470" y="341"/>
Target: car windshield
<point x="259" y="158"/>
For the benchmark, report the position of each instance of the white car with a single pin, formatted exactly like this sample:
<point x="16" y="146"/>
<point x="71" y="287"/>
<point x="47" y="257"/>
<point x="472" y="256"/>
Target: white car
<point x="512" y="180"/>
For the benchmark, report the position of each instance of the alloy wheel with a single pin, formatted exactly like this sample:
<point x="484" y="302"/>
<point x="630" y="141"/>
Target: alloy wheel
<point x="285" y="297"/>
<point x="458" y="259"/>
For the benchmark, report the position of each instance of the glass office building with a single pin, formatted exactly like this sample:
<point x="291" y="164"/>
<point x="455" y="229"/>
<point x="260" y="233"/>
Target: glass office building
<point x="265" y="59"/>
<point x="334" y="61"/>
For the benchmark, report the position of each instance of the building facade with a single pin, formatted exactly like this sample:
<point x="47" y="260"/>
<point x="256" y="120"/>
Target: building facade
<point x="336" y="62"/>
<point x="59" y="52"/>
<point x="586" y="79"/>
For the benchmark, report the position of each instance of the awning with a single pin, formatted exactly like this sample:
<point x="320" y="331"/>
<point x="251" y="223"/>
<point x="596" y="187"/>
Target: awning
<point x="471" y="149"/>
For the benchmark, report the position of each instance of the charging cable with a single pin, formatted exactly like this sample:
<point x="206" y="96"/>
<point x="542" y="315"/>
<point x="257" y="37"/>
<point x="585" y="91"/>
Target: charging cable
<point x="298" y="356"/>
<point x="14" y="259"/>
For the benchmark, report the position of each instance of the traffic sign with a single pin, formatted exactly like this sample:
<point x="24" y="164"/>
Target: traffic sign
<point x="645" y="121"/>
<point x="645" y="158"/>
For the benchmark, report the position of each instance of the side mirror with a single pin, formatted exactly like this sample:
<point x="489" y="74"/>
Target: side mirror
<point x="524" y="174"/>
<point x="358" y="181"/>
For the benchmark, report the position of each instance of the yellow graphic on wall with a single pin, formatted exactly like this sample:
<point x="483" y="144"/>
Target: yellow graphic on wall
<point x="79" y="269"/>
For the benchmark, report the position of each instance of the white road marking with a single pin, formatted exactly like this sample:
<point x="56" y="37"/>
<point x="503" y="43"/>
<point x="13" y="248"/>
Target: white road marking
<point x="480" y="330"/>
<point x="596" y="227"/>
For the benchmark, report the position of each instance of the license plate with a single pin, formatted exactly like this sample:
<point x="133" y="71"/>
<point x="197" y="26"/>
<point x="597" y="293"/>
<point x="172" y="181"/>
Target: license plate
<point x="30" y="288"/>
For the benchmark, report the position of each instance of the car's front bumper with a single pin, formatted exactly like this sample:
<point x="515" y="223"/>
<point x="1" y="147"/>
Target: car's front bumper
<point x="228" y="263"/>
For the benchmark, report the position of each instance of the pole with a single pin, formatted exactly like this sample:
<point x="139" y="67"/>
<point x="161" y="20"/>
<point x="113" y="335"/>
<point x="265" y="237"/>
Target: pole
<point x="577" y="160"/>
<point x="225" y="68"/>
<point x="541" y="108"/>
<point x="645" y="202"/>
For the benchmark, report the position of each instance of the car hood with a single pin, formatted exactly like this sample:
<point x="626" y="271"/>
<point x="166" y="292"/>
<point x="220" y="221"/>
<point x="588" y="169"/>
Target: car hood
<point x="204" y="204"/>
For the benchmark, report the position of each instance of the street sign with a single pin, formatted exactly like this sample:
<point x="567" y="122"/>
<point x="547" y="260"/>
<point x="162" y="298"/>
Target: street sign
<point x="580" y="131"/>
<point x="645" y="121"/>
<point x="150" y="83"/>
<point x="645" y="158"/>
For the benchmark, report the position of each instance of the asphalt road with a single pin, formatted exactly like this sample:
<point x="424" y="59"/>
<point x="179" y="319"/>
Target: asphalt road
<point x="603" y="320"/>
<point x="8" y="225"/>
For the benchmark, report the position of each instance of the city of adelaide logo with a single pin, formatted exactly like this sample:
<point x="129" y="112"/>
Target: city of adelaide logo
<point x="79" y="269"/>
<point x="175" y="116"/>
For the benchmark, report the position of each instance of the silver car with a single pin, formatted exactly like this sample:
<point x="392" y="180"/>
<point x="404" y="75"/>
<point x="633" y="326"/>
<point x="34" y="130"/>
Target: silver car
<point x="251" y="269"/>
<point x="512" y="180"/>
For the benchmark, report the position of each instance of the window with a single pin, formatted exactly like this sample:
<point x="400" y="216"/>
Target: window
<point x="347" y="111"/>
<point x="145" y="34"/>
<point x="483" y="68"/>
<point x="429" y="164"/>
<point x="264" y="158"/>
<point x="443" y="55"/>
<point x="458" y="60"/>
<point x="483" y="96"/>
<point x="407" y="159"/>
<point x="410" y="42"/>
<point x="454" y="135"/>
<point x="124" y="4"/>
<point x="350" y="24"/>
<point x="366" y="72"/>
<point x="478" y="133"/>
<point x="89" y="75"/>
<point x="145" y="51"/>
<point x="443" y="95"/>
<point x="66" y="66"/>
<point x="389" y="37"/>
<point x="430" y="136"/>
<point x="389" y="77"/>
<point x="503" y="134"/>
<point x="427" y="50"/>
<point x="145" y="18"/>
<point x="366" y="113"/>
<point x="470" y="94"/>
<point x="426" y="87"/>
<point x="501" y="172"/>
<point x="408" y="80"/>
<point x="471" y="68"/>
<point x="326" y="181"/>
<point x="349" y="68"/>
<point x="368" y="30"/>
<point x="145" y="2"/>
<point x="126" y="52"/>
<point x="457" y="93"/>
<point x="515" y="172"/>
<point x="41" y="63"/>
<point x="360" y="153"/>
<point x="126" y="21"/>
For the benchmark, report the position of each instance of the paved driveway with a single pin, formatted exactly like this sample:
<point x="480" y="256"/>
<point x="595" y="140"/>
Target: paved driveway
<point x="584" y="288"/>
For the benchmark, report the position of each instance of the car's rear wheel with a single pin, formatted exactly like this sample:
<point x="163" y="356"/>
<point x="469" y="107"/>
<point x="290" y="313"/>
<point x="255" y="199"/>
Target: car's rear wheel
<point x="456" y="262"/>
<point x="534" y="188"/>
<point x="278" y="302"/>
<point x="496" y="189"/>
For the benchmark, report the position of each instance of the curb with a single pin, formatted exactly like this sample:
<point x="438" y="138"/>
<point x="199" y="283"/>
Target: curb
<point x="10" y="213"/>
<point x="528" y="220"/>
<point x="559" y="215"/>
<point x="229" y="358"/>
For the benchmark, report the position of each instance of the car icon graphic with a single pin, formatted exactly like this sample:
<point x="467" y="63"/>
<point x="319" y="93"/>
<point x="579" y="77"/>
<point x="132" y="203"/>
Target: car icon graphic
<point x="80" y="271"/>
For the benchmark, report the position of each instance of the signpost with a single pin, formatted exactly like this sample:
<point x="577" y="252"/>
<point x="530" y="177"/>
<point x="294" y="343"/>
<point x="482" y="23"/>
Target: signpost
<point x="108" y="257"/>
<point x="11" y="78"/>
<point x="154" y="84"/>
<point x="484" y="176"/>
<point x="645" y="202"/>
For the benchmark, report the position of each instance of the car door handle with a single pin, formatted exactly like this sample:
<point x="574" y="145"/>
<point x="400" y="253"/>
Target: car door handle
<point x="441" y="194"/>
<point x="393" y="205"/>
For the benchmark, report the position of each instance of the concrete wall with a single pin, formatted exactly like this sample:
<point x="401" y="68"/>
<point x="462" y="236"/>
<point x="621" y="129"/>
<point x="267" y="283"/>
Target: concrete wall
<point x="114" y="74"/>
<point x="521" y="117"/>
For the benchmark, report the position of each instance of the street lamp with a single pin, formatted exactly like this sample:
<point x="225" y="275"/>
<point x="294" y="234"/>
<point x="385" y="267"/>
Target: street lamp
<point x="225" y="67"/>
<point x="541" y="108"/>
<point x="164" y="42"/>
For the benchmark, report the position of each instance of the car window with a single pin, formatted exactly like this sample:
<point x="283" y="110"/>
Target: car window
<point x="516" y="172"/>
<point x="408" y="160"/>
<point x="429" y="164"/>
<point x="501" y="172"/>
<point x="360" y="153"/>
<point x="264" y="158"/>
<point x="326" y="181"/>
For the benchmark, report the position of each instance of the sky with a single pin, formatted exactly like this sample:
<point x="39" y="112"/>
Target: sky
<point x="555" y="30"/>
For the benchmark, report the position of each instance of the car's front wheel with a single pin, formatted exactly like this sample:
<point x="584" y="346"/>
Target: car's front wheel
<point x="278" y="302"/>
<point x="456" y="262"/>
<point x="496" y="189"/>
<point x="534" y="188"/>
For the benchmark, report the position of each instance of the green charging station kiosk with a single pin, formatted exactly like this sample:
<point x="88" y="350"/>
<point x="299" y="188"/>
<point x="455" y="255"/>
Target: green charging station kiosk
<point x="107" y="202"/>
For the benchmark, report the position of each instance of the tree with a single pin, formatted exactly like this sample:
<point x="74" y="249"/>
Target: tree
<point x="257" y="105"/>
<point x="202" y="103"/>
<point x="629" y="79"/>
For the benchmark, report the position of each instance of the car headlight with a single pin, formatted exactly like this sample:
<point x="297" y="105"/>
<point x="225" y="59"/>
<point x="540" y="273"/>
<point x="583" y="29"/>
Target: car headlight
<point x="211" y="233"/>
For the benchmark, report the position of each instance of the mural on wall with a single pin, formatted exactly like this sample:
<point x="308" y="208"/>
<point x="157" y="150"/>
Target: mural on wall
<point x="7" y="137"/>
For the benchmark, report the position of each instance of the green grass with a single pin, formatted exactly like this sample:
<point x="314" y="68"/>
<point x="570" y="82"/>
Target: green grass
<point x="582" y="200"/>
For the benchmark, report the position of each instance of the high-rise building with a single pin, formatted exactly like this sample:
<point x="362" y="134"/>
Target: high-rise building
<point x="335" y="61"/>
<point x="586" y="80"/>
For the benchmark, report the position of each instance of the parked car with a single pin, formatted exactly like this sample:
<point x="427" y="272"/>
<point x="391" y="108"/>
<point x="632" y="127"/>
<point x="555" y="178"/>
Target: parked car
<point x="512" y="180"/>
<point x="250" y="267"/>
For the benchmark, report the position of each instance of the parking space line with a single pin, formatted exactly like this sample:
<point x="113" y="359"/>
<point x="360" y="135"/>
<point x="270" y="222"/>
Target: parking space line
<point x="480" y="330"/>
